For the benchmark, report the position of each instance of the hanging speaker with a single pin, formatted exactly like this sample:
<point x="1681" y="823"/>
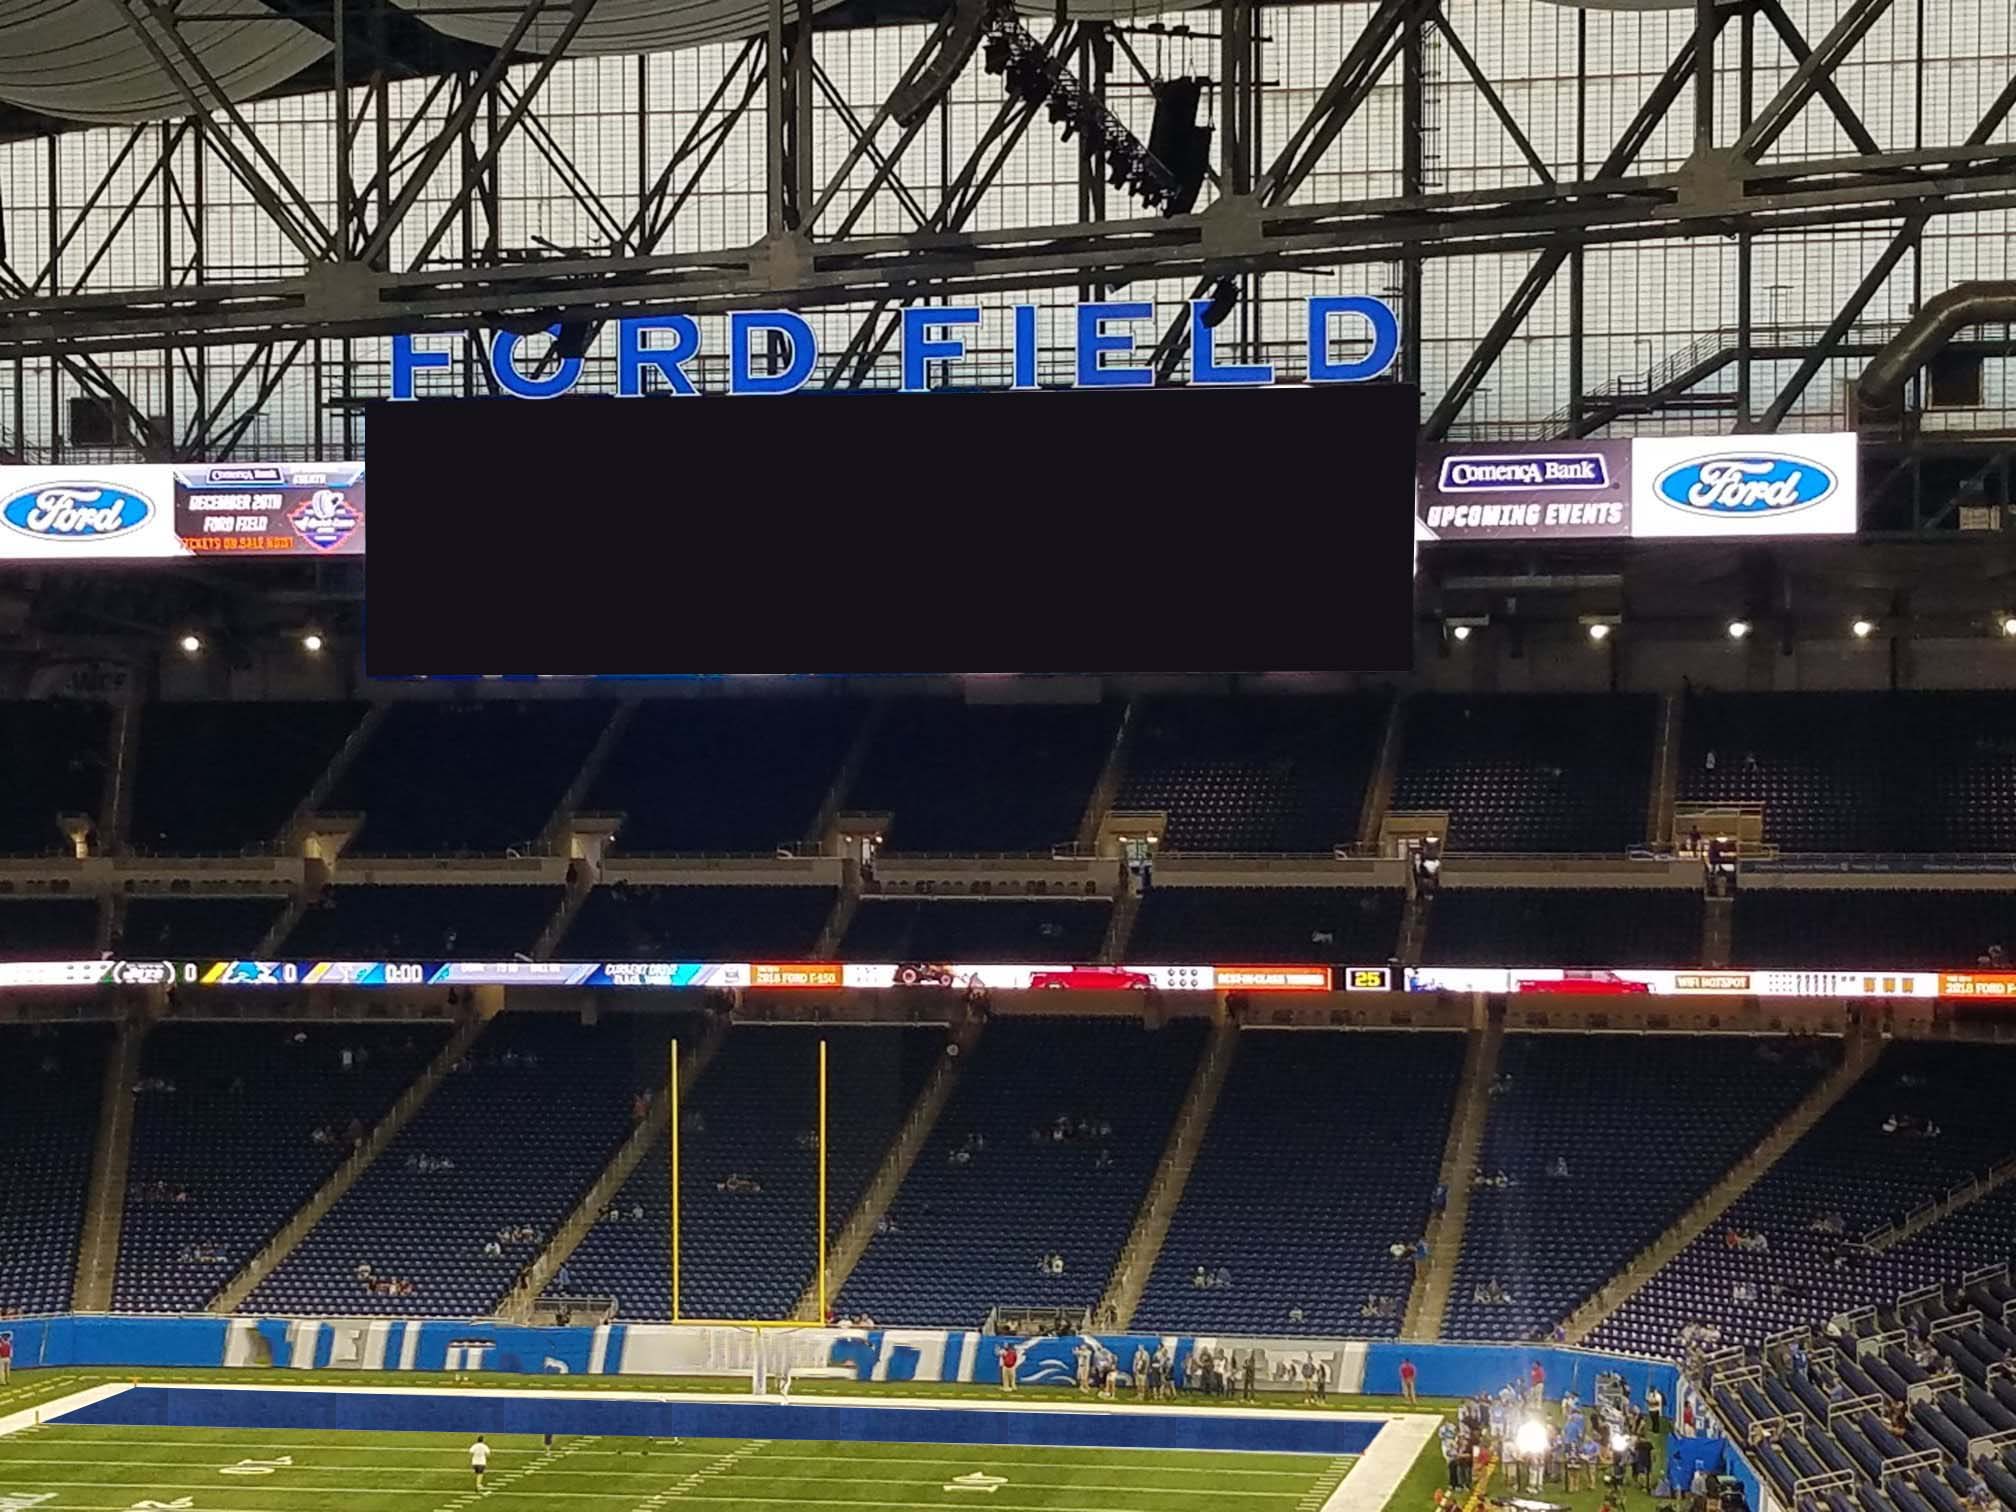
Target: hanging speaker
<point x="1178" y="143"/>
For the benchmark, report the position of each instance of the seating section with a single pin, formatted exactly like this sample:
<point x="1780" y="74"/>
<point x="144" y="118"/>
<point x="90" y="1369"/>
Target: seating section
<point x="197" y="925"/>
<point x="996" y="1191"/>
<point x="1566" y="926"/>
<point x="1254" y="774"/>
<point x="424" y="922"/>
<point x="1899" y="771"/>
<point x="962" y="777"/>
<point x="1323" y="1152"/>
<point x="632" y="923"/>
<point x="1533" y="771"/>
<point x="1880" y="928"/>
<point x="752" y="1115"/>
<point x="1286" y="924"/>
<point x="42" y="929"/>
<point x="195" y="790"/>
<point x="299" y="1095"/>
<point x="465" y="778"/>
<point x="1052" y="930"/>
<point x="1870" y="1161"/>
<point x="730" y="776"/>
<point x="1578" y="1172"/>
<point x="52" y="762"/>
<point x="511" y="1139"/>
<point x="50" y="1089"/>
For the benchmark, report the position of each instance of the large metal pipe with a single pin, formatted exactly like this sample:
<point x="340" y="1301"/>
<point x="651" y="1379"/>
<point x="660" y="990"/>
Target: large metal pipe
<point x="1880" y="388"/>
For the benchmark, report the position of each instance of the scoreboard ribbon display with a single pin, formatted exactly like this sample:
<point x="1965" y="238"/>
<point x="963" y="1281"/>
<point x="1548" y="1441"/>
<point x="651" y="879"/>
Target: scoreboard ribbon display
<point x="758" y="975"/>
<point x="927" y="976"/>
<point x="158" y="513"/>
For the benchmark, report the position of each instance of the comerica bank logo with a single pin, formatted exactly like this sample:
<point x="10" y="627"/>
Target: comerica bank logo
<point x="78" y="512"/>
<point x="1523" y="472"/>
<point x="1745" y="485"/>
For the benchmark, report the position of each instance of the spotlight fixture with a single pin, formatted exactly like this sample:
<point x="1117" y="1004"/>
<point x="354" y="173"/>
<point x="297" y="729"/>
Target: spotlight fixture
<point x="1460" y="632"/>
<point x="1863" y="629"/>
<point x="2009" y="624"/>
<point x="1599" y="630"/>
<point x="1738" y="629"/>
<point x="190" y="644"/>
<point x="311" y="643"/>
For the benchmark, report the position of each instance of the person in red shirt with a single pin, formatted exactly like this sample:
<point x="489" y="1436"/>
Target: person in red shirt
<point x="1009" y="1360"/>
<point x="1536" y="1379"/>
<point x="1407" y="1379"/>
<point x="6" y="1356"/>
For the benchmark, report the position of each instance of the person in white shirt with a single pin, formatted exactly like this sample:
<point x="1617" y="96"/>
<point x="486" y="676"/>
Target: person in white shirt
<point x="479" y="1459"/>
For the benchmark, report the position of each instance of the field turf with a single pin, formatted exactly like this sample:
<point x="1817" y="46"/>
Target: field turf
<point x="127" y="1469"/>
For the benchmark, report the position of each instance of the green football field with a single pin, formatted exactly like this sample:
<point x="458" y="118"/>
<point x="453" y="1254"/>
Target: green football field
<point x="114" y="1469"/>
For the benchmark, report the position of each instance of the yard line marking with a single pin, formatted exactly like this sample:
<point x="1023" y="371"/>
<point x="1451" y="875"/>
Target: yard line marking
<point x="1122" y="1460"/>
<point x="720" y="1465"/>
<point x="1326" y="1484"/>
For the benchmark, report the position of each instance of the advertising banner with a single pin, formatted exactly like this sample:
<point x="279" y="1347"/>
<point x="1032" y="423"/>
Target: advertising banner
<point x="1542" y="490"/>
<point x="146" y="512"/>
<point x="52" y="515"/>
<point x="1643" y="488"/>
<point x="1695" y="486"/>
<point x="270" y="508"/>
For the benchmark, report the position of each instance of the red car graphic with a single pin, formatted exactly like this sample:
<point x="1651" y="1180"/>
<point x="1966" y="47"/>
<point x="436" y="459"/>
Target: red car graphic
<point x="1100" y="978"/>
<point x="923" y="974"/>
<point x="1582" y="984"/>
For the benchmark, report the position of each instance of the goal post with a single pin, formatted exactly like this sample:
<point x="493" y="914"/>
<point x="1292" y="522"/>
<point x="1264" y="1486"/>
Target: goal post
<point x="673" y="1122"/>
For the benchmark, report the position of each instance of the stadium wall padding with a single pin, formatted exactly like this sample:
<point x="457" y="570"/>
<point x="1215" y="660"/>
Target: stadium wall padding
<point x="873" y="1354"/>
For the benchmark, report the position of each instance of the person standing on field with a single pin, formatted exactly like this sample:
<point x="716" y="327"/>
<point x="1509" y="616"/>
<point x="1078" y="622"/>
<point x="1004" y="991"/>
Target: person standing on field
<point x="479" y="1460"/>
<point x="1010" y="1358"/>
<point x="1407" y="1379"/>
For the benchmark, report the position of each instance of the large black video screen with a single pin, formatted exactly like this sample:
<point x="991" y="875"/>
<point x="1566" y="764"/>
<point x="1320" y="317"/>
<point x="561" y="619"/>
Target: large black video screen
<point x="1165" y="530"/>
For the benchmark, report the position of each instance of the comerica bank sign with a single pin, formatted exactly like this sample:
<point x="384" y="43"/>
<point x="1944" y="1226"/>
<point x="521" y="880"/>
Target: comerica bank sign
<point x="1113" y="341"/>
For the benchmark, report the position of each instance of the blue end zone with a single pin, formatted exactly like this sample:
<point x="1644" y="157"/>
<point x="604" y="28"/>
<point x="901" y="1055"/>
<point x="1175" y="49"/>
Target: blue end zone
<point x="449" y="1412"/>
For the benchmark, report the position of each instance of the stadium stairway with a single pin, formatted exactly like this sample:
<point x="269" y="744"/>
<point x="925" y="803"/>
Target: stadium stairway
<point x="1414" y="926"/>
<point x="1718" y="930"/>
<point x="1100" y="803"/>
<point x="488" y="1001"/>
<point x="1860" y="1053"/>
<point x="121" y="762"/>
<point x="554" y="835"/>
<point x="105" y="1209"/>
<point x="1428" y="1303"/>
<point x="1665" y="772"/>
<point x="848" y="1246"/>
<point x="519" y="1302"/>
<point x="581" y="883"/>
<point x="1960" y="1197"/>
<point x="1385" y="773"/>
<point x="1172" y="1175"/>
<point x="295" y="830"/>
<point x="1120" y="925"/>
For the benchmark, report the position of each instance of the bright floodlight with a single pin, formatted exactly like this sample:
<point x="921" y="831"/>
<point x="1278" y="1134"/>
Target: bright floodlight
<point x="1599" y="631"/>
<point x="191" y="644"/>
<point x="2009" y="625"/>
<point x="1531" y="1439"/>
<point x="1620" y="1443"/>
<point x="1863" y="629"/>
<point x="1462" y="632"/>
<point x="1738" y="629"/>
<point x="311" y="643"/>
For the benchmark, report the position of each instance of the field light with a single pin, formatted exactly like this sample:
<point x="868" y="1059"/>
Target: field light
<point x="1462" y="632"/>
<point x="190" y="644"/>
<point x="1620" y="1443"/>
<point x="1863" y="629"/>
<point x="311" y="643"/>
<point x="1599" y="631"/>
<point x="1738" y="629"/>
<point x="1530" y="1441"/>
<point x="2009" y="625"/>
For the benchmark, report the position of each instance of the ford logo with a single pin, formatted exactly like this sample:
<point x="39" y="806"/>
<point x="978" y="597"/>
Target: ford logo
<point x="75" y="512"/>
<point x="1745" y="485"/>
